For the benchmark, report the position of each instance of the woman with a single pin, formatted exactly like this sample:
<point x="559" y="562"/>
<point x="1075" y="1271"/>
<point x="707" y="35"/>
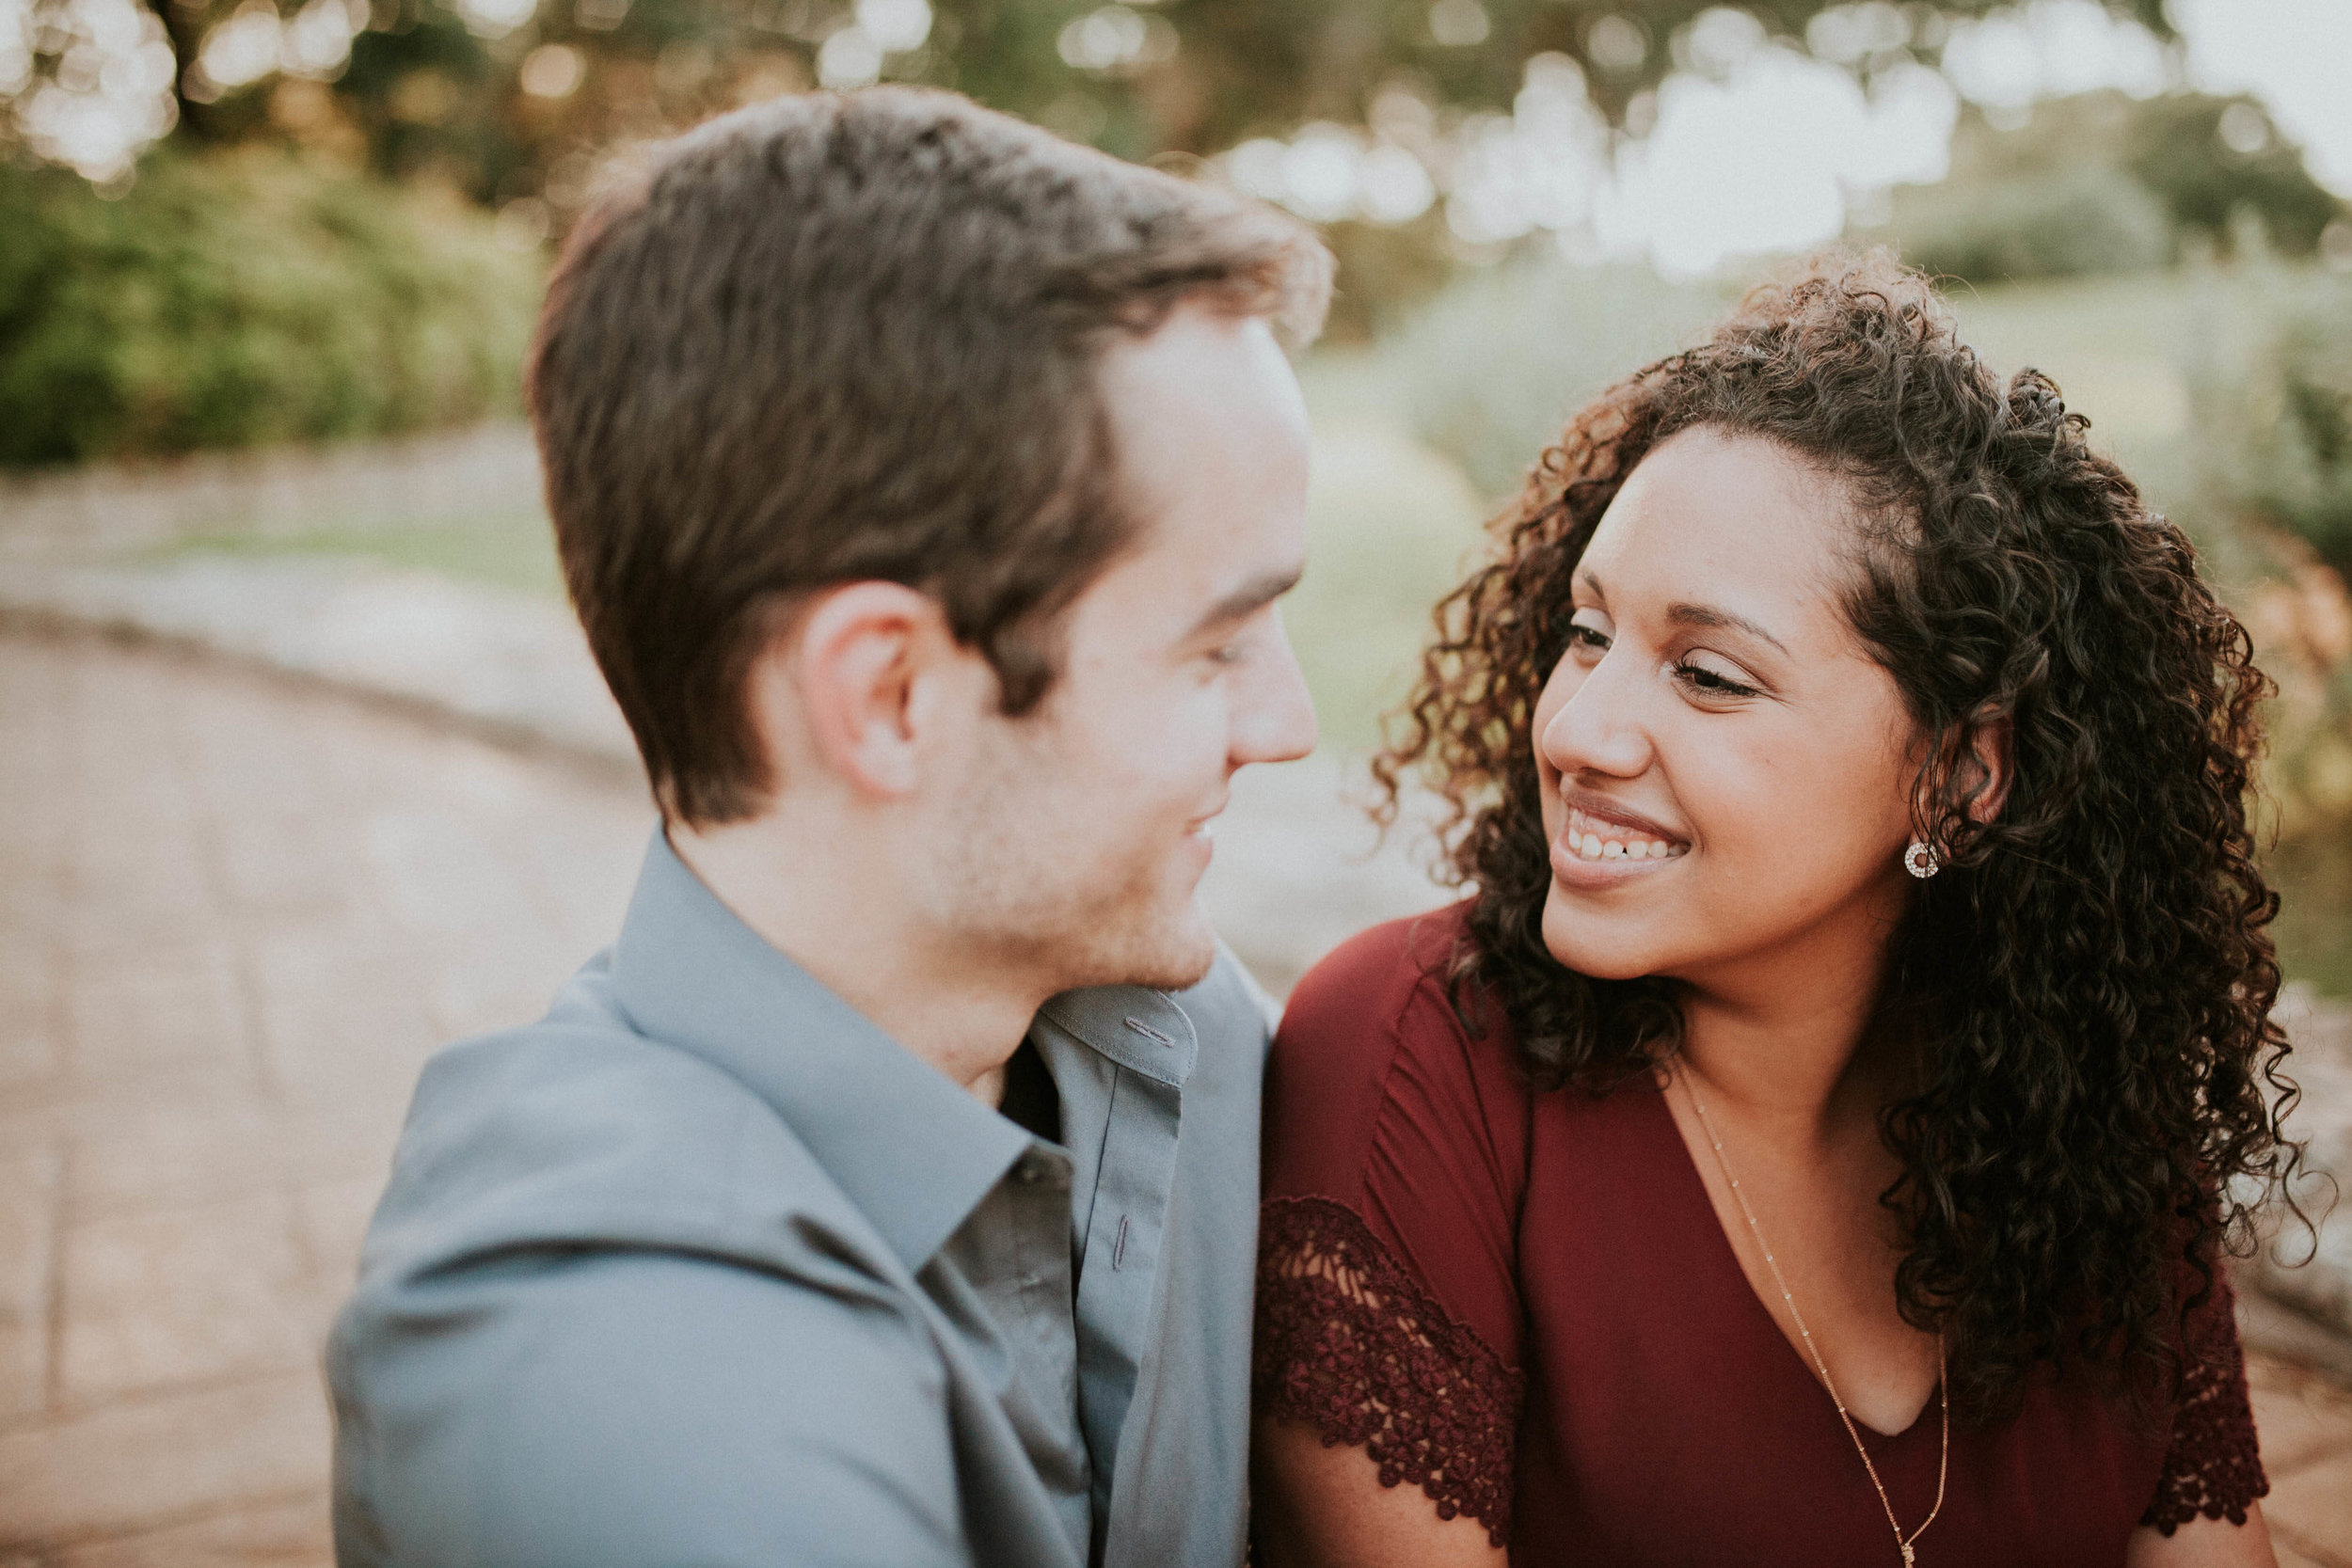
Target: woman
<point x="1814" y="1140"/>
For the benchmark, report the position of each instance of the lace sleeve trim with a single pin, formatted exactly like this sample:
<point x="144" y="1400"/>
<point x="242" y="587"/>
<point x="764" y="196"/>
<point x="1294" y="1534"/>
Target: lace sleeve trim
<point x="1349" y="1343"/>
<point x="2213" y="1466"/>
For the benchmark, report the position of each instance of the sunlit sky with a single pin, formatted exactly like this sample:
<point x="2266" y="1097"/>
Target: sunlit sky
<point x="1768" y="157"/>
<point x="1757" y="148"/>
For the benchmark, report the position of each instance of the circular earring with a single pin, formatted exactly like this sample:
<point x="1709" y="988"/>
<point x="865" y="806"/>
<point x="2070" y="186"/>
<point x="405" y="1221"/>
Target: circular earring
<point x="1921" y="860"/>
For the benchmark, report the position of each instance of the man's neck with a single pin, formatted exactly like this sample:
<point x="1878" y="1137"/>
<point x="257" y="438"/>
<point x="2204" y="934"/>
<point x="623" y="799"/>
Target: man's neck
<point x="838" y="920"/>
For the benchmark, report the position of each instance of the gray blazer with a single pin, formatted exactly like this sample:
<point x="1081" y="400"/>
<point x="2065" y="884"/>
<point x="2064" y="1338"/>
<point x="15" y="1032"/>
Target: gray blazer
<point x="702" y="1268"/>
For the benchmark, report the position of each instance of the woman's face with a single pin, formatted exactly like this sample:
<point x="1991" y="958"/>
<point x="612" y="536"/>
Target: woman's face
<point x="1725" y="771"/>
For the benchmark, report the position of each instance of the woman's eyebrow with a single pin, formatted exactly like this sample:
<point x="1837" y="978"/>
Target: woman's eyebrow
<point x="1708" y="615"/>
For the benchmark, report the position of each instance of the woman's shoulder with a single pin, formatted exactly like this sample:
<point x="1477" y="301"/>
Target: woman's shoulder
<point x="1392" y="977"/>
<point x="1373" y="1044"/>
<point x="1391" y="987"/>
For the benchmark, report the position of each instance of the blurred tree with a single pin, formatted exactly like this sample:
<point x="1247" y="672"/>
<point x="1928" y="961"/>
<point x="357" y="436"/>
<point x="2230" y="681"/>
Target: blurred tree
<point x="244" y="298"/>
<point x="2275" y="428"/>
<point x="496" y="95"/>
<point x="2103" y="183"/>
<point x="2212" y="158"/>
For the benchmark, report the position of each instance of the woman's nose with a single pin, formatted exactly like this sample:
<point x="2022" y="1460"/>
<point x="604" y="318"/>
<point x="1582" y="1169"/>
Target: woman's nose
<point x="1599" y="729"/>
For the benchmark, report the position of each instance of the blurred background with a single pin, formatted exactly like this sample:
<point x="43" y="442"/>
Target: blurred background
<point x="303" y="770"/>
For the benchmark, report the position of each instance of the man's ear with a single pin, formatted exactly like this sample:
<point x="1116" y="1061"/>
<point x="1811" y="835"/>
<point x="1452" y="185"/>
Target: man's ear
<point x="844" y="682"/>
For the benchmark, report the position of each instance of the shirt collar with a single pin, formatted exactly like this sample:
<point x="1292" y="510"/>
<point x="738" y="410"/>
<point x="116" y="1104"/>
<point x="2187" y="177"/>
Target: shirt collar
<point x="915" y="1153"/>
<point x="1140" y="1029"/>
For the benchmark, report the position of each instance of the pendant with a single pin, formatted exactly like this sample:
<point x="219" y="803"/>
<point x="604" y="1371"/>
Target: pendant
<point x="1908" y="1559"/>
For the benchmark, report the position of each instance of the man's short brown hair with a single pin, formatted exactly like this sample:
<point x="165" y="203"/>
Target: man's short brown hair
<point x="850" y="337"/>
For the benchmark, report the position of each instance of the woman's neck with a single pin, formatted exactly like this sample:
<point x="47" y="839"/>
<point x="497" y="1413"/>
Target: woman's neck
<point x="1800" y="1045"/>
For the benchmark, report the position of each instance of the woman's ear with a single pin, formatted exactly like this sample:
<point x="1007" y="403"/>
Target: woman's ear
<point x="1967" y="772"/>
<point x="1985" y="771"/>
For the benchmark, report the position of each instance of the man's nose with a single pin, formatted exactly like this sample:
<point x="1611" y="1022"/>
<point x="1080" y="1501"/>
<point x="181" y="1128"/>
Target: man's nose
<point x="1274" y="721"/>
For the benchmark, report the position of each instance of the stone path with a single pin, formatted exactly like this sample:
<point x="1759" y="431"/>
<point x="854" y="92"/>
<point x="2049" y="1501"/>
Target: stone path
<point x="236" y="912"/>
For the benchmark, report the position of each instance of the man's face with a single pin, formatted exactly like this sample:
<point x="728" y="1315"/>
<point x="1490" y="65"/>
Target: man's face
<point x="1073" y="848"/>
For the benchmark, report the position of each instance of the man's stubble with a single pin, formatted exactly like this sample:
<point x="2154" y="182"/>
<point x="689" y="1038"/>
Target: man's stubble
<point x="1014" y="885"/>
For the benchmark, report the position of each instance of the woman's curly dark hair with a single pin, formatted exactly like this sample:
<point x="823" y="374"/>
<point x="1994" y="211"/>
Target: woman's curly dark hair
<point x="2091" y="971"/>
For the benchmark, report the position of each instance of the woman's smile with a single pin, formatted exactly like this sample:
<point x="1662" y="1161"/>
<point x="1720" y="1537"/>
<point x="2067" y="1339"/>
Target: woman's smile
<point x="1602" y="847"/>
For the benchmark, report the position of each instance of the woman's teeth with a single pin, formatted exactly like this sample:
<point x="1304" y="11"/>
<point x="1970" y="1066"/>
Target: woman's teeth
<point x="1594" y="840"/>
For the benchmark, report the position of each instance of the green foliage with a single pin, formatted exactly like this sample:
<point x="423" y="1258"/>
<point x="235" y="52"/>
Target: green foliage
<point x="2062" y="224"/>
<point x="514" y="550"/>
<point x="1391" y="528"/>
<point x="1492" y="370"/>
<point x="2274" y="418"/>
<point x="2100" y="183"/>
<point x="1385" y="275"/>
<point x="423" y="92"/>
<point x="234" y="301"/>
<point x="2182" y="151"/>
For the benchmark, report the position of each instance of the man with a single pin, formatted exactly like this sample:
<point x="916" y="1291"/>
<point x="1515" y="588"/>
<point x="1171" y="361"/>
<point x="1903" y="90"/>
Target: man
<point x="886" y="1195"/>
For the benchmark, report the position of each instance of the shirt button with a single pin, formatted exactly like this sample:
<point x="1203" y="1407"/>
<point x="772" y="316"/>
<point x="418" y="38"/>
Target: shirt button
<point x="1030" y="1171"/>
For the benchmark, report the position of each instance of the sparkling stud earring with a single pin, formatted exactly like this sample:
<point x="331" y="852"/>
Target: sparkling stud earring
<point x="1921" y="860"/>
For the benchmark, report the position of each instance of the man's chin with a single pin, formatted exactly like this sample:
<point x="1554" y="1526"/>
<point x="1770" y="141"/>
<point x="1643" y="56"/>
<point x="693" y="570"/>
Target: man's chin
<point x="1174" y="957"/>
<point x="1175" y="975"/>
<point x="1179" y="963"/>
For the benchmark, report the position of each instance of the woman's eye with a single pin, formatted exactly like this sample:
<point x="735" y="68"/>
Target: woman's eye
<point x="1588" y="634"/>
<point x="1710" y="683"/>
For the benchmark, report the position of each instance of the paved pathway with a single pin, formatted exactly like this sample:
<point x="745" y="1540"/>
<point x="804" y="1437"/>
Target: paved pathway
<point x="235" y="913"/>
<point x="236" y="910"/>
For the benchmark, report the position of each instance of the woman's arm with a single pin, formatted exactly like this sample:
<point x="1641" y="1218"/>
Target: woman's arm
<point x="2204" y="1544"/>
<point x="1389" y="1316"/>
<point x="2212" y="1468"/>
<point x="1317" y="1507"/>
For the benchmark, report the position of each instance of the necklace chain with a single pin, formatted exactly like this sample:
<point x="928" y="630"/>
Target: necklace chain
<point x="1944" y="1396"/>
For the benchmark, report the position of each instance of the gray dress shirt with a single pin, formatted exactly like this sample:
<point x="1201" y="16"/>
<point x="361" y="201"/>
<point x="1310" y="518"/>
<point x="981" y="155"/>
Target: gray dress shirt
<point x="702" y="1268"/>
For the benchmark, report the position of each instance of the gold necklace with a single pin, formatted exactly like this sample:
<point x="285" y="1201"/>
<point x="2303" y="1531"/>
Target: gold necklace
<point x="1944" y="1395"/>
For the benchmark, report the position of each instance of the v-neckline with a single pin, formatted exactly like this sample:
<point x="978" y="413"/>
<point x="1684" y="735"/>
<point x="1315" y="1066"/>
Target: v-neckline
<point x="1727" y="1257"/>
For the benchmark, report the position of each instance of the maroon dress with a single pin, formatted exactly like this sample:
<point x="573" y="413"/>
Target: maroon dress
<point x="1524" y="1303"/>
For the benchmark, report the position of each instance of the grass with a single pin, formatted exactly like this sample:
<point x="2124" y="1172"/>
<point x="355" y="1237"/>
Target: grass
<point x="513" y="550"/>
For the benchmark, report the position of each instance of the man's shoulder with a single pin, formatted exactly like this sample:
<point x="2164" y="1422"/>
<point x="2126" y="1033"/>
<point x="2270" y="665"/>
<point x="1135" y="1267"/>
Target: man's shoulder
<point x="607" y="1275"/>
<point x="578" y="1131"/>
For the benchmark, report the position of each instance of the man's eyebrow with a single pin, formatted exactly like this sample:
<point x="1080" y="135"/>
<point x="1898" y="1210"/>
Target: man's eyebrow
<point x="1708" y="615"/>
<point x="1248" y="599"/>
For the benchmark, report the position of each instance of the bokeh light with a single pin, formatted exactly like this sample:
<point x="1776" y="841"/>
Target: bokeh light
<point x="111" y="94"/>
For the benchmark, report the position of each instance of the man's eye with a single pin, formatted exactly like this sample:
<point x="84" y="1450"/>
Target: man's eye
<point x="1231" y="652"/>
